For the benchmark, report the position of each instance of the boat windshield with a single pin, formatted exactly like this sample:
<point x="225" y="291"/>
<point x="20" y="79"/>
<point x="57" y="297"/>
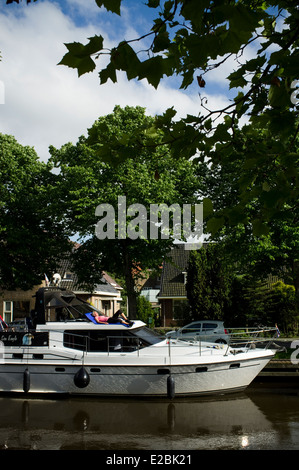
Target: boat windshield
<point x="71" y="312"/>
<point x="78" y="311"/>
<point x="148" y="335"/>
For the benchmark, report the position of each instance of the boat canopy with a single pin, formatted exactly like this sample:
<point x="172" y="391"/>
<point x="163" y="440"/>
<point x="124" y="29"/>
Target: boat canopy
<point x="52" y="302"/>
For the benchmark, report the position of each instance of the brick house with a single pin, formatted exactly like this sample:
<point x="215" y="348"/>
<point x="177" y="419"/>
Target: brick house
<point x="106" y="296"/>
<point x="172" y="295"/>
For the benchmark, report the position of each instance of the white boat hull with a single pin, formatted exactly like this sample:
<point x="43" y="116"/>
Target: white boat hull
<point x="200" y="377"/>
<point x="79" y="356"/>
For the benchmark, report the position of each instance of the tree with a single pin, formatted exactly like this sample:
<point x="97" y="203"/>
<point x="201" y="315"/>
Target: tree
<point x="145" y="311"/>
<point x="264" y="304"/>
<point x="31" y="238"/>
<point x="191" y="38"/>
<point x="208" y="284"/>
<point x="281" y="307"/>
<point x="18" y="1"/>
<point x="276" y="249"/>
<point x="87" y="180"/>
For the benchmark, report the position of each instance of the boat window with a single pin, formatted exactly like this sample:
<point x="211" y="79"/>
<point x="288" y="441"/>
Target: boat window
<point x="163" y="371"/>
<point x="234" y="365"/>
<point x="102" y="341"/>
<point x="148" y="336"/>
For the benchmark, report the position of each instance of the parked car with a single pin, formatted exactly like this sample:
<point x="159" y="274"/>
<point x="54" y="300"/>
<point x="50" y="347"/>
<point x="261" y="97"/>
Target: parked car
<point x="204" y="330"/>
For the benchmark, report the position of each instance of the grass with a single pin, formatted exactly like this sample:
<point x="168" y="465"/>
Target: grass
<point x="284" y="354"/>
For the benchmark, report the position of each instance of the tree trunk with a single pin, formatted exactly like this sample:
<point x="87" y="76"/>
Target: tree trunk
<point x="296" y="281"/>
<point x="130" y="285"/>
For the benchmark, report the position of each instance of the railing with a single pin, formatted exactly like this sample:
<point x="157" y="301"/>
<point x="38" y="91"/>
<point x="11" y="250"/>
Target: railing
<point x="251" y="337"/>
<point x="116" y="344"/>
<point x="241" y="339"/>
<point x="238" y="338"/>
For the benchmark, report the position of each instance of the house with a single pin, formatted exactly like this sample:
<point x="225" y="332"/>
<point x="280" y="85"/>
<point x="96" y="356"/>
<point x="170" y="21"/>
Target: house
<point x="106" y="295"/>
<point x="151" y="289"/>
<point x="172" y="295"/>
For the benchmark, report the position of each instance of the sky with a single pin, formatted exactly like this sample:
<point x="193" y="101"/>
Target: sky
<point x="43" y="104"/>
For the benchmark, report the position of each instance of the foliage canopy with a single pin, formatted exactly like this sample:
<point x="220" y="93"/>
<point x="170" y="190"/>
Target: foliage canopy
<point x="190" y="38"/>
<point x="144" y="174"/>
<point x="31" y="237"/>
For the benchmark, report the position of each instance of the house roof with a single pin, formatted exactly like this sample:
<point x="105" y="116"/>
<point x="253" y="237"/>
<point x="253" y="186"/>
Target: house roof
<point x="173" y="278"/>
<point x="111" y="281"/>
<point x="69" y="280"/>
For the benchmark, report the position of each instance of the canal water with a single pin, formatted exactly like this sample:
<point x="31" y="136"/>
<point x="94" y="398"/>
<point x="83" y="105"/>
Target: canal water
<point x="264" y="417"/>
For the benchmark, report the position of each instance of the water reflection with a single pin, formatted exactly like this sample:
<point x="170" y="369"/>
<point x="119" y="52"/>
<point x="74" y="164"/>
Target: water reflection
<point x="248" y="420"/>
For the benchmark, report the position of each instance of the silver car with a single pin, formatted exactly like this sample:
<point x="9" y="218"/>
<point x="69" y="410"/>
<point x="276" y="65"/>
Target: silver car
<point x="204" y="330"/>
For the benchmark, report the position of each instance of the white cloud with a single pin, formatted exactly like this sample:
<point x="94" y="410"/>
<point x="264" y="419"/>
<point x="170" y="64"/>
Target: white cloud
<point x="46" y="104"/>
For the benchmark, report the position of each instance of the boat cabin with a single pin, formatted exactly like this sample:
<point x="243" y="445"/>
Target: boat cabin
<point x="64" y="320"/>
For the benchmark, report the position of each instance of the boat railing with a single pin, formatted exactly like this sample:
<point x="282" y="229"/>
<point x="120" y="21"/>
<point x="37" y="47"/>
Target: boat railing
<point x="252" y="337"/>
<point x="240" y="340"/>
<point x="124" y="344"/>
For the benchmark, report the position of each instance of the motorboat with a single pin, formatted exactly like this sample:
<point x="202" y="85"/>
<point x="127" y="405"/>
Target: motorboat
<point x="63" y="351"/>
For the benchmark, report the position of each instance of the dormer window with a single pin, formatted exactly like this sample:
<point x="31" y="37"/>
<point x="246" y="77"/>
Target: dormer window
<point x="68" y="276"/>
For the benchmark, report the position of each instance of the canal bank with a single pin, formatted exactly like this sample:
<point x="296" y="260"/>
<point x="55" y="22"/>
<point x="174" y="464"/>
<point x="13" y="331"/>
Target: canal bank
<point x="280" y="368"/>
<point x="285" y="365"/>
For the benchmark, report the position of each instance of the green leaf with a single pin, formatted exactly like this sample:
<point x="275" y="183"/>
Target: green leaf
<point x="266" y="186"/>
<point x="233" y="40"/>
<point x="110" y="5"/>
<point x="78" y="55"/>
<point x="243" y="18"/>
<point x="237" y="215"/>
<point x="281" y="122"/>
<point x="108" y="72"/>
<point x="193" y="10"/>
<point x="278" y="96"/>
<point x="153" y="3"/>
<point x="95" y="45"/>
<point x="161" y="42"/>
<point x="272" y="198"/>
<point x="152" y="69"/>
<point x="253" y="64"/>
<point x="125" y="58"/>
<point x="166" y="118"/>
<point x="215" y="224"/>
<point x="207" y="207"/>
<point x="83" y="65"/>
<point x="237" y="79"/>
<point x="259" y="228"/>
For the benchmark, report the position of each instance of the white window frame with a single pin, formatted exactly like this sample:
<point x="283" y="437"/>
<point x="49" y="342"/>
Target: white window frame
<point x="7" y="312"/>
<point x="175" y="303"/>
